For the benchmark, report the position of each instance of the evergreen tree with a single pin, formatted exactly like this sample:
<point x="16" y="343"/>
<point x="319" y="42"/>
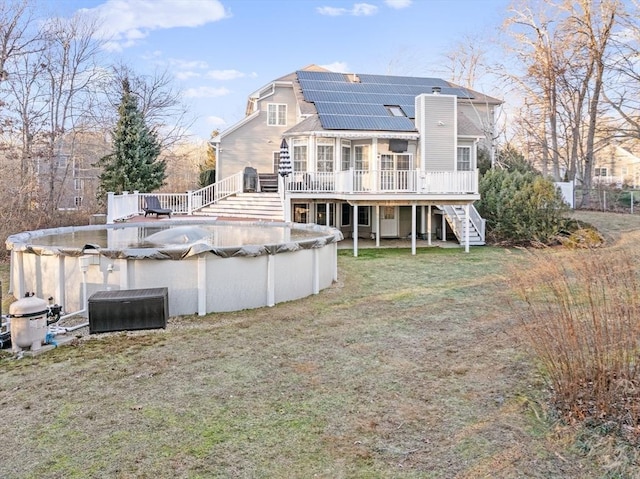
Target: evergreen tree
<point x="133" y="164"/>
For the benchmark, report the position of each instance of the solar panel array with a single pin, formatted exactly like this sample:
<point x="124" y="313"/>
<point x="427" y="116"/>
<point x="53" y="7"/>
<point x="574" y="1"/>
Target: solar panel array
<point x="343" y="104"/>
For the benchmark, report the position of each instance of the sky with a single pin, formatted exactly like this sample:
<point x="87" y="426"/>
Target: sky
<point x="221" y="51"/>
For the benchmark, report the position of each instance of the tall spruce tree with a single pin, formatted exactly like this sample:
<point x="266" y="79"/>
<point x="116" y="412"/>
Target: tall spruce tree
<point x="133" y="164"/>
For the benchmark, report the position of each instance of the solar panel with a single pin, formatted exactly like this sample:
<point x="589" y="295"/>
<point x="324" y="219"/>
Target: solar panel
<point x="345" y="122"/>
<point x="343" y="103"/>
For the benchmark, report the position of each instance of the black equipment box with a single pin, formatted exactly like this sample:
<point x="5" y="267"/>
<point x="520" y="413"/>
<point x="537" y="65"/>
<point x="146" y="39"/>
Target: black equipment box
<point x="128" y="309"/>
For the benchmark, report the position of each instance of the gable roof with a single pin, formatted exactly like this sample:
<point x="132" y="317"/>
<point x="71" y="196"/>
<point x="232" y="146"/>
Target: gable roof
<point x="348" y="101"/>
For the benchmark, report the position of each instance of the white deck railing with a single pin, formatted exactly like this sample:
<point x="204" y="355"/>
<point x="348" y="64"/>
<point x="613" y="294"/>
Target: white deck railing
<point x="385" y="181"/>
<point x="127" y="204"/>
<point x="352" y="181"/>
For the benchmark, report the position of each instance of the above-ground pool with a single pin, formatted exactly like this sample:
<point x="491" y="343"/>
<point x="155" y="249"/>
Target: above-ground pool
<point x="207" y="266"/>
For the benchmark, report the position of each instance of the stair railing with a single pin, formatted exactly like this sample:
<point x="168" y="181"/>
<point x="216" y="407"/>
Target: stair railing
<point x="456" y="220"/>
<point x="215" y="192"/>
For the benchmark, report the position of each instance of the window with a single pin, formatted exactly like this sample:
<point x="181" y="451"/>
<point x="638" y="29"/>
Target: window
<point x="299" y="156"/>
<point x="276" y="114"/>
<point x="361" y="157"/>
<point x="600" y="171"/>
<point x="301" y="212"/>
<point x="78" y="184"/>
<point x="395" y="110"/>
<point x="276" y="161"/>
<point x="403" y="162"/>
<point x="61" y="161"/>
<point x="464" y="158"/>
<point x="324" y="213"/>
<point x="346" y="214"/>
<point x="363" y="215"/>
<point x="77" y="201"/>
<point x="325" y="156"/>
<point x="346" y="155"/>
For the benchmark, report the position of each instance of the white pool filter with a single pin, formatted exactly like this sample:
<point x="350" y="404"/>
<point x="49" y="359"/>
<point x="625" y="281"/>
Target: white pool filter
<point x="28" y="318"/>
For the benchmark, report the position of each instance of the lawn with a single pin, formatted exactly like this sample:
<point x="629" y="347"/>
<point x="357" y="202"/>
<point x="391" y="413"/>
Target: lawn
<point x="407" y="367"/>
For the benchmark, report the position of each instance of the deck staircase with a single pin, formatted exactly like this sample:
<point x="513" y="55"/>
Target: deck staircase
<point x="455" y="216"/>
<point x="252" y="206"/>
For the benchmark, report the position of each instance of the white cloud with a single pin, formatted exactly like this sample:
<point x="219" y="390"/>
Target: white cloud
<point x="364" y="9"/>
<point x="224" y="74"/>
<point x="206" y="92"/>
<point x="124" y="22"/>
<point x="332" y="11"/>
<point x="359" y="9"/>
<point x="186" y="75"/>
<point x="398" y="4"/>
<point x="215" y="121"/>
<point x="340" y="67"/>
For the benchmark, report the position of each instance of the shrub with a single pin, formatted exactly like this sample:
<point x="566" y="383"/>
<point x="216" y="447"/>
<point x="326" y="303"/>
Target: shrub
<point x="582" y="323"/>
<point x="521" y="207"/>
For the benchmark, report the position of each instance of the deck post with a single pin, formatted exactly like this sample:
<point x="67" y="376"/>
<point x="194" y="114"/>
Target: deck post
<point x="413" y="229"/>
<point x="377" y="223"/>
<point x="467" y="227"/>
<point x="429" y="225"/>
<point x="355" y="230"/>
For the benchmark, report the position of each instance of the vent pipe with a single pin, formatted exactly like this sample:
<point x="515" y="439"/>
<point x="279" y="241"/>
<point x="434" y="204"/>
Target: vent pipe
<point x="435" y="90"/>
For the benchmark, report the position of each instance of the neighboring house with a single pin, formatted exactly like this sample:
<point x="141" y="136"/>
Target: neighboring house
<point x="373" y="155"/>
<point x="616" y="165"/>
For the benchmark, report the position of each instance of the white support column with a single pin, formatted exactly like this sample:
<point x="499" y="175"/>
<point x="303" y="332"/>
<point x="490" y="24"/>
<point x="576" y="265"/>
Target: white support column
<point x="60" y="287"/>
<point x="429" y="226"/>
<point x="423" y="221"/>
<point x="355" y="230"/>
<point x="413" y="229"/>
<point x="377" y="223"/>
<point x="444" y="227"/>
<point x="467" y="221"/>
<point x="271" y="280"/>
<point x="123" y="270"/>
<point x="19" y="289"/>
<point x="202" y="285"/>
<point x="316" y="271"/>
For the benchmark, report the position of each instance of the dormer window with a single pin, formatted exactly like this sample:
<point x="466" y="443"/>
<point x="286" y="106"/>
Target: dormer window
<point x="276" y="114"/>
<point x="395" y="110"/>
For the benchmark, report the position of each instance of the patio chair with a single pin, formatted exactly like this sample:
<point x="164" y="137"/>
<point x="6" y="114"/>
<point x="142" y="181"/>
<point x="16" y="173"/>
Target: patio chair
<point x="153" y="207"/>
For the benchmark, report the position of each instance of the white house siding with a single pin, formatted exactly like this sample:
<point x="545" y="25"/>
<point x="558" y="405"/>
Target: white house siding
<point x="254" y="143"/>
<point x="436" y="122"/>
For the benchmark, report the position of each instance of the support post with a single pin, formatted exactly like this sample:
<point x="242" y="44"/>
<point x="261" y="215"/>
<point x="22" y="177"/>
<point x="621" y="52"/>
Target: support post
<point x="467" y="221"/>
<point x="202" y="285"/>
<point x="355" y="230"/>
<point x="429" y="226"/>
<point x="377" y="223"/>
<point x="413" y="229"/>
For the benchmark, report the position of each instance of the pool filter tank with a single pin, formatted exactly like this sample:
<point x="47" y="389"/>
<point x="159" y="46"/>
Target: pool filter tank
<point x="28" y="318"/>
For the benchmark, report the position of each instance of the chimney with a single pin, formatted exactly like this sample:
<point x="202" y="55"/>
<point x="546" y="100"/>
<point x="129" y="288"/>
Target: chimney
<point x="354" y="78"/>
<point x="435" y="90"/>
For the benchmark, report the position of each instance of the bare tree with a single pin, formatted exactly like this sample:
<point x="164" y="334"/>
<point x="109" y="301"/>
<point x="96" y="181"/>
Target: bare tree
<point x="160" y="102"/>
<point x="16" y="37"/>
<point x="466" y="61"/>
<point x="563" y="49"/>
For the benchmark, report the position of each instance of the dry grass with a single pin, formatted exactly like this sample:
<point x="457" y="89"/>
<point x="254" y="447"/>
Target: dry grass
<point x="582" y="321"/>
<point x="408" y="367"/>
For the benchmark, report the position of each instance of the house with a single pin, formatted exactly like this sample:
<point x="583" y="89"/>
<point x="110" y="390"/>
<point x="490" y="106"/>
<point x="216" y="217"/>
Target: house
<point x="617" y="165"/>
<point x="376" y="156"/>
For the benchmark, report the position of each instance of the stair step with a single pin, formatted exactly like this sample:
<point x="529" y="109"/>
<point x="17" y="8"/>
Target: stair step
<point x="259" y="206"/>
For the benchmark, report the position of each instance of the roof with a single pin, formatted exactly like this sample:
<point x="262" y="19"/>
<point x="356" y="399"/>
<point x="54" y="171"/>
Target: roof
<point x="349" y="101"/>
